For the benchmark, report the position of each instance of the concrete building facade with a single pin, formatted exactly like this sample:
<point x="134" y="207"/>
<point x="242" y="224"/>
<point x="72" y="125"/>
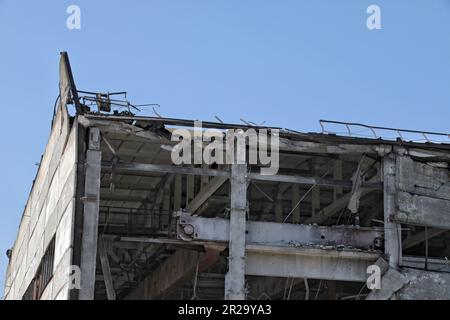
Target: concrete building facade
<point x="110" y="216"/>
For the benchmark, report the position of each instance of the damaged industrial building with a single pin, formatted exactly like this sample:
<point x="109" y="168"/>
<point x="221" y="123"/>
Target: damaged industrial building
<point x="110" y="216"/>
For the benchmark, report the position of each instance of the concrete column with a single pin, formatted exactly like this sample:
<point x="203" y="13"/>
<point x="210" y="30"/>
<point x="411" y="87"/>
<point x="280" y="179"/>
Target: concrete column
<point x="392" y="230"/>
<point x="235" y="278"/>
<point x="91" y="201"/>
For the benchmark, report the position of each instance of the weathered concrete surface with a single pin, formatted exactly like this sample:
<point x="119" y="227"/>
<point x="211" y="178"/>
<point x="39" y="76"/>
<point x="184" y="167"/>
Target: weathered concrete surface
<point x="310" y="263"/>
<point x="424" y="285"/>
<point x="412" y="284"/>
<point x="423" y="211"/>
<point x="391" y="282"/>
<point x="235" y="278"/>
<point x="423" y="179"/>
<point x="48" y="213"/>
<point x="90" y="216"/>
<point x="424" y="194"/>
<point x="392" y="230"/>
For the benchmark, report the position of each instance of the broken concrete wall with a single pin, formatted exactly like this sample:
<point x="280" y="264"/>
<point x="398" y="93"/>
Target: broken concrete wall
<point x="48" y="213"/>
<point x="423" y="194"/>
<point x="411" y="284"/>
<point x="424" y="285"/>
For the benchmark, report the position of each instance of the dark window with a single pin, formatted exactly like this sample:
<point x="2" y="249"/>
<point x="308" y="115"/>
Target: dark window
<point x="43" y="275"/>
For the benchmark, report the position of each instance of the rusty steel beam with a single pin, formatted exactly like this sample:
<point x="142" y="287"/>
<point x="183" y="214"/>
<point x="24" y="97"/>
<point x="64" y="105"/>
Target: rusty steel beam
<point x="280" y="234"/>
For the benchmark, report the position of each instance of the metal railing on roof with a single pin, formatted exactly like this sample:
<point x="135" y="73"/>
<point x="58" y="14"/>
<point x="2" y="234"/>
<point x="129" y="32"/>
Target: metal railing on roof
<point x="375" y="132"/>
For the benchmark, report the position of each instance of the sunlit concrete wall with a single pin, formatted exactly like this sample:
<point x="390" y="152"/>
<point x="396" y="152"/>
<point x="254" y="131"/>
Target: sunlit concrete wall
<point x="49" y="212"/>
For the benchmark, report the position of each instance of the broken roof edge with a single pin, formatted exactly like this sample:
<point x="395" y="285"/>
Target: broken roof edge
<point x="287" y="133"/>
<point x="69" y="94"/>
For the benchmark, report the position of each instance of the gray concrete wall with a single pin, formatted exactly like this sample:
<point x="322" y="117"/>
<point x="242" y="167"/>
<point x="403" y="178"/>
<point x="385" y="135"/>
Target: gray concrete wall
<point x="423" y="194"/>
<point x="424" y="285"/>
<point x="49" y="212"/>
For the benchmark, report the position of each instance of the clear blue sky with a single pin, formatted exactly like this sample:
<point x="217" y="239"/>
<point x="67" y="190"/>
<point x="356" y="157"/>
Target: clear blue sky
<point x="289" y="63"/>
